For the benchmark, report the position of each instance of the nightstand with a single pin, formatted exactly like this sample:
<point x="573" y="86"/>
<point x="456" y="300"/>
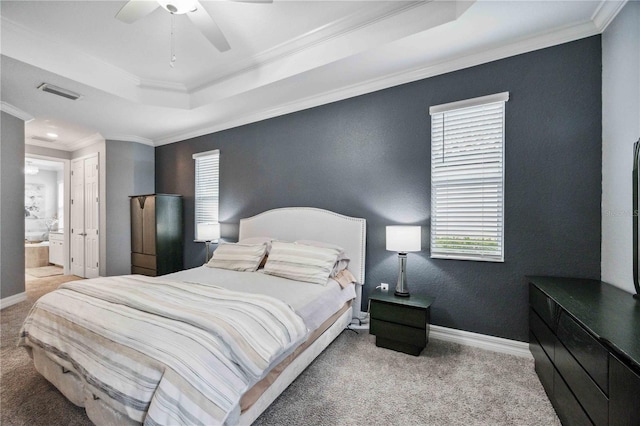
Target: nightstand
<point x="399" y="323"/>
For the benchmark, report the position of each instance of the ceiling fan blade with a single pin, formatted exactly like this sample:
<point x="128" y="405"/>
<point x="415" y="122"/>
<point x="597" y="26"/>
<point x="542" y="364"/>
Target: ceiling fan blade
<point x="205" y="23"/>
<point x="136" y="9"/>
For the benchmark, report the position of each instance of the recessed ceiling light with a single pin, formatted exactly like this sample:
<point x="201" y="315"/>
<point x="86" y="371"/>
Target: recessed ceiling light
<point x="52" y="135"/>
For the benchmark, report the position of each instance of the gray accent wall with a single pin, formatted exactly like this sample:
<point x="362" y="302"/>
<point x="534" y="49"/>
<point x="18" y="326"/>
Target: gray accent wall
<point x="369" y="156"/>
<point x="130" y="171"/>
<point x="11" y="205"/>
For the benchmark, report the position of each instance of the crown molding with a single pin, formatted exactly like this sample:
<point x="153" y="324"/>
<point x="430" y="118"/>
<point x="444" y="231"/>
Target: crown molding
<point x="70" y="147"/>
<point x="16" y="112"/>
<point x="130" y="138"/>
<point x="541" y="41"/>
<point x="605" y="13"/>
<point x="86" y="141"/>
<point x="147" y="83"/>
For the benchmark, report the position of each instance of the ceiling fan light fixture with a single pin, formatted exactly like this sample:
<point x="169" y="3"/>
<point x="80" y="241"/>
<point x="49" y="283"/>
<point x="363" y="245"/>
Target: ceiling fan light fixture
<point x="179" y="7"/>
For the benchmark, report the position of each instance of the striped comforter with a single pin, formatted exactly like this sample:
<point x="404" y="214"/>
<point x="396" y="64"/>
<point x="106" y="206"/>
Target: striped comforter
<point x="163" y="352"/>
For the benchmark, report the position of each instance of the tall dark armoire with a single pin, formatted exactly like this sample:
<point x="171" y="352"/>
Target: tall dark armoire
<point x="156" y="234"/>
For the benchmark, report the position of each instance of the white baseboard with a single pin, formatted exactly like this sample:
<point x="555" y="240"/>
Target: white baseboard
<point x="482" y="341"/>
<point x="12" y="300"/>
<point x="467" y="338"/>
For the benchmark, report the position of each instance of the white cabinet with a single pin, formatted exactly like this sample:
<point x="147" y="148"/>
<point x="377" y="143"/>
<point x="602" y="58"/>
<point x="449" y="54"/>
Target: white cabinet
<point x="56" y="248"/>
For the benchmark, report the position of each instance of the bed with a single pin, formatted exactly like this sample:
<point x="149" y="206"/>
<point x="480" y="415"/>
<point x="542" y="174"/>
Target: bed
<point x="292" y="323"/>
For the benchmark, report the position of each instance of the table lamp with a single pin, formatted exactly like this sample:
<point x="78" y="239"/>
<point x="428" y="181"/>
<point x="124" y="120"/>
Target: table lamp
<point x="403" y="239"/>
<point x="207" y="232"/>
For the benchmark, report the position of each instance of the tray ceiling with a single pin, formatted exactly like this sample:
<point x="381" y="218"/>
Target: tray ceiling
<point x="285" y="56"/>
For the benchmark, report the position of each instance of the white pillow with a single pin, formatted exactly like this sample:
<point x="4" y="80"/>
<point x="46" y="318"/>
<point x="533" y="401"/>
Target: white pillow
<point x="238" y="257"/>
<point x="341" y="263"/>
<point x="301" y="262"/>
<point x="258" y="240"/>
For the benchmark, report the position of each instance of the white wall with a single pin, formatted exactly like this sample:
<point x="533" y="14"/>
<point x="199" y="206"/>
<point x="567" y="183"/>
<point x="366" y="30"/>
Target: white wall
<point x="620" y="129"/>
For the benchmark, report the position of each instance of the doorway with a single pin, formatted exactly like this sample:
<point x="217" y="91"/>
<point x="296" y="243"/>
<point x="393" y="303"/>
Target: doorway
<point x="46" y="214"/>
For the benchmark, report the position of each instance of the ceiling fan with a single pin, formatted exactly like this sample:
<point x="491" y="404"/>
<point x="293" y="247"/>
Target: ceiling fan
<point x="136" y="9"/>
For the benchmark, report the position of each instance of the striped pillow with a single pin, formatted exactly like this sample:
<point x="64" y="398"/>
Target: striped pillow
<point x="301" y="262"/>
<point x="238" y="257"/>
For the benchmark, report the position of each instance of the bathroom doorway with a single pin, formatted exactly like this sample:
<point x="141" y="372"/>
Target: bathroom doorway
<point x="46" y="216"/>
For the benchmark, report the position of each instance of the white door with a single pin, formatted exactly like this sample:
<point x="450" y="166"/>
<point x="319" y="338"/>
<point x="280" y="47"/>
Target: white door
<point x="85" y="244"/>
<point x="91" y="203"/>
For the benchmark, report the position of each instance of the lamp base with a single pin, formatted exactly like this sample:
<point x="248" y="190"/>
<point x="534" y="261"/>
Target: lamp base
<point x="397" y="293"/>
<point x="207" y="256"/>
<point x="401" y="288"/>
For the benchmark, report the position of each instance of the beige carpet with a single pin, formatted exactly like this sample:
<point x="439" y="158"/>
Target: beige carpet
<point x="351" y="383"/>
<point x="44" y="271"/>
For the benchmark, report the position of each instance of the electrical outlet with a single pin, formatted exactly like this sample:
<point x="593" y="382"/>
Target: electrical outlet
<point x="384" y="286"/>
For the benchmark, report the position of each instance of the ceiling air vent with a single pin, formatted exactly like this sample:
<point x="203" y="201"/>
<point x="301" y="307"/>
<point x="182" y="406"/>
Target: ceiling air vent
<point x="46" y="87"/>
<point x="40" y="138"/>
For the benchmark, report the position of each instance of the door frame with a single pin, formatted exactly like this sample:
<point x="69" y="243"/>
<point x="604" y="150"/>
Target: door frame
<point x="67" y="204"/>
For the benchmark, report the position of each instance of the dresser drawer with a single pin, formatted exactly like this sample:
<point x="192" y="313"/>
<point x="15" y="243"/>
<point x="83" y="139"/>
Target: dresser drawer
<point x="591" y="355"/>
<point x="399" y="314"/>
<point x="143" y="271"/>
<point x="543" y="334"/>
<point x="143" y="260"/>
<point x="546" y="308"/>
<point x="624" y="402"/>
<point x="568" y="408"/>
<point x="543" y="365"/>
<point x="398" y="332"/>
<point x="592" y="399"/>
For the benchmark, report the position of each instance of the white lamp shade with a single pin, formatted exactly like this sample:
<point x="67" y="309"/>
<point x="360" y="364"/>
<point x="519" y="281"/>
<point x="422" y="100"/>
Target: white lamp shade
<point x="403" y="239"/>
<point x="207" y="231"/>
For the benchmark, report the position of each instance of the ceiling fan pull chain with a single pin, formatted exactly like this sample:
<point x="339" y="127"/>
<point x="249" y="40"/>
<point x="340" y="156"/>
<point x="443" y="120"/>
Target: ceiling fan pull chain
<point x="173" y="44"/>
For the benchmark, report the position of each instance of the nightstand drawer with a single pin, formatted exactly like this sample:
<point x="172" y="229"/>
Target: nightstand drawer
<point x="399" y="333"/>
<point x="399" y="314"/>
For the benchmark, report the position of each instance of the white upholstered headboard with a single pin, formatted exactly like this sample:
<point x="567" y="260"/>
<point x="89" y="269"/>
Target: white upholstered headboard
<point x="308" y="223"/>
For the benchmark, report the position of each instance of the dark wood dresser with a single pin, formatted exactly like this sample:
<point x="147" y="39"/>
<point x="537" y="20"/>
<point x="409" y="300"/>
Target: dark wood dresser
<point x="156" y="234"/>
<point x="585" y="338"/>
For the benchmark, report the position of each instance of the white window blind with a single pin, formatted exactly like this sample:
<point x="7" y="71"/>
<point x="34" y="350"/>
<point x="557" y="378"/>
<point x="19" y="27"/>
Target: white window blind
<point x="467" y="179"/>
<point x="207" y="188"/>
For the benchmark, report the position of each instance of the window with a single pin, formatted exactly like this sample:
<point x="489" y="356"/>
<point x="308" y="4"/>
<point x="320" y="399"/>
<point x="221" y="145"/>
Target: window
<point x="467" y="179"/>
<point x="207" y="188"/>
